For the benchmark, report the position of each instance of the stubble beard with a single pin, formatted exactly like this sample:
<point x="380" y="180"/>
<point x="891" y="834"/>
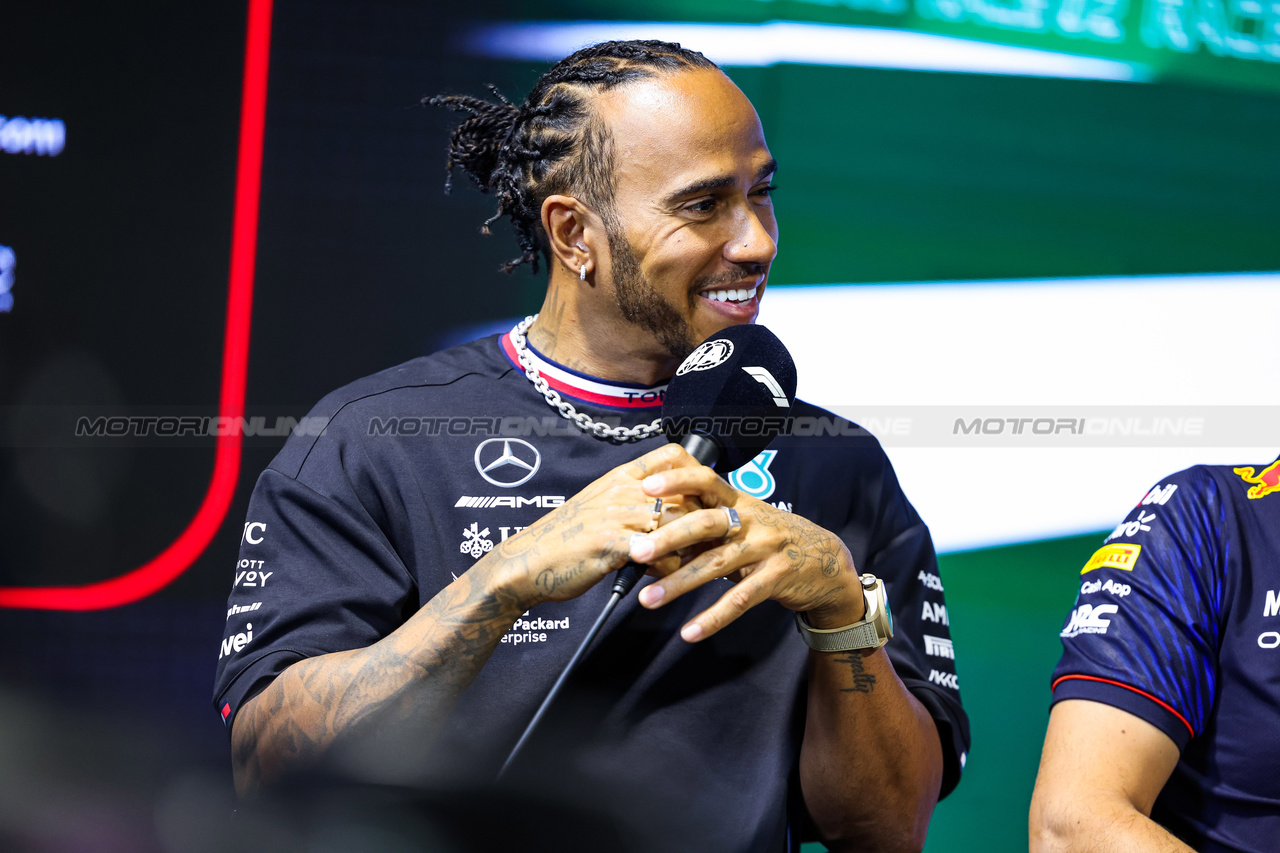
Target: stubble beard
<point x="642" y="304"/>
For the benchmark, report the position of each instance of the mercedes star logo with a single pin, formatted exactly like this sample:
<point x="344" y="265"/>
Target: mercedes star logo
<point x="514" y="465"/>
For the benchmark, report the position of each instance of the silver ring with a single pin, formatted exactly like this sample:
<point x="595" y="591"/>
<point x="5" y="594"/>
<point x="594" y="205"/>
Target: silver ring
<point x="735" y="523"/>
<point x="657" y="516"/>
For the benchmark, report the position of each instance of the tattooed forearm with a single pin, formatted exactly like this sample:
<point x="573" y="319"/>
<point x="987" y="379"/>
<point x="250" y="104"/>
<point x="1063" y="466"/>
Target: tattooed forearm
<point x="862" y="681"/>
<point x="374" y="700"/>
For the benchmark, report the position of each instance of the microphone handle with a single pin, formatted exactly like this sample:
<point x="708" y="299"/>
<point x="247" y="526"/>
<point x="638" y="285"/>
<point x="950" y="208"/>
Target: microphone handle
<point x="702" y="448"/>
<point x="627" y="577"/>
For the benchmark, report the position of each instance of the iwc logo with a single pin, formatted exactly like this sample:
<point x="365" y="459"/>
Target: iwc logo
<point x="507" y="462"/>
<point x="706" y="356"/>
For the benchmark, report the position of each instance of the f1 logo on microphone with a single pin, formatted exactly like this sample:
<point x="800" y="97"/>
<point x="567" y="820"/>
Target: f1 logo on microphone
<point x="766" y="379"/>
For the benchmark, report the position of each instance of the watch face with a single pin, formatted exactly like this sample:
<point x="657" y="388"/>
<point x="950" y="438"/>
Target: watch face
<point x="888" y="615"/>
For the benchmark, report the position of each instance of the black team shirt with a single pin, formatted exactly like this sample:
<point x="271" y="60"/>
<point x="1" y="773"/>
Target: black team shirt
<point x="425" y="467"/>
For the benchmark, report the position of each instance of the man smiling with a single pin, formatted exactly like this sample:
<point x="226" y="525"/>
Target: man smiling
<point x="422" y="604"/>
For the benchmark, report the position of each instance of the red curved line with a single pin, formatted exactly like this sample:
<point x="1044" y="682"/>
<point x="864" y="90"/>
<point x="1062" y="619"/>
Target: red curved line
<point x="153" y="576"/>
<point x="1143" y="693"/>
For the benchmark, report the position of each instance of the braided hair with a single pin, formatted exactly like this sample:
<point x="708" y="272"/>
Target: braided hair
<point x="553" y="143"/>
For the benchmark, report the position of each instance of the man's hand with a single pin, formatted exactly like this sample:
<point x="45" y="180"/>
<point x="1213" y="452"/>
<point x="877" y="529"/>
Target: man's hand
<point x="571" y="549"/>
<point x="774" y="555"/>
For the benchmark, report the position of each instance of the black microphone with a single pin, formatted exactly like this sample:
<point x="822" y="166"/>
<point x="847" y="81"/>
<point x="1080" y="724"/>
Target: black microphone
<point x="731" y="397"/>
<point x="728" y="400"/>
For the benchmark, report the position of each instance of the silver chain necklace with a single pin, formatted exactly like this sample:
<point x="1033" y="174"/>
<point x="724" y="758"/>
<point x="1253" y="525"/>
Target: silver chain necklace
<point x="599" y="430"/>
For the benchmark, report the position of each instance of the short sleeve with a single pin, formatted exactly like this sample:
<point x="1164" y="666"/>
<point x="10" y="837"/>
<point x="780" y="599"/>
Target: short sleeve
<point x="921" y="650"/>
<point x="1145" y="630"/>
<point x="315" y="575"/>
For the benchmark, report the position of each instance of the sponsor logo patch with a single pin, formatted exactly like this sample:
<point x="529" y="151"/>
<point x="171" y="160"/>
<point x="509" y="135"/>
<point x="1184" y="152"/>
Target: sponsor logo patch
<point x="939" y="647"/>
<point x="945" y="679"/>
<point x="1264" y="482"/>
<point x="1088" y="619"/>
<point x="526" y="630"/>
<point x="510" y="501"/>
<point x="1119" y="590"/>
<point x="507" y="462"/>
<point x="236" y="642"/>
<point x="1132" y="528"/>
<point x="930" y="581"/>
<point x="1123" y="557"/>
<point x="1159" y="495"/>
<point x="254" y="533"/>
<point x="754" y="478"/>
<point x="475" y="541"/>
<point x="935" y="613"/>
<point x="237" y="609"/>
<point x="250" y="574"/>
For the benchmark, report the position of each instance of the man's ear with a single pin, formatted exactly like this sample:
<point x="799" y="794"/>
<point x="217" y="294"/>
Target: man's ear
<point x="575" y="234"/>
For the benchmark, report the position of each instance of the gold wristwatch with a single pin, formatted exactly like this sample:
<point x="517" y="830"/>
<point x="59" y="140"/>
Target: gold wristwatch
<point x="871" y="632"/>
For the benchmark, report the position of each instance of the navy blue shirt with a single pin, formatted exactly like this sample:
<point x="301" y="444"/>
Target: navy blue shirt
<point x="423" y="468"/>
<point x="1178" y="622"/>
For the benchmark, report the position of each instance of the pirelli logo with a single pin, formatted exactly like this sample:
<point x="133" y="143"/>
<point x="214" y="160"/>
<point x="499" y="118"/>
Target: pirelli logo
<point x="510" y="501"/>
<point x="1113" y="557"/>
<point x="939" y="647"/>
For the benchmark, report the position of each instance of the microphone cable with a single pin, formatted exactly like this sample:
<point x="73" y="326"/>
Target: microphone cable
<point x="622" y="584"/>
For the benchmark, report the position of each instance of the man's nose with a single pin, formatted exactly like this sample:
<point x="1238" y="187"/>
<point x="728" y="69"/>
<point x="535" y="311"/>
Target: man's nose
<point x="751" y="242"/>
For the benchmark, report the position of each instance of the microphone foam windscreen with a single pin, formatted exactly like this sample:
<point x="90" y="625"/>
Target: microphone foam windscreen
<point x="737" y="388"/>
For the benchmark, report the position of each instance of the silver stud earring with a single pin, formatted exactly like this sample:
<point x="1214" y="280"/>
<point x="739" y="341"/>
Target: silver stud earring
<point x="582" y="273"/>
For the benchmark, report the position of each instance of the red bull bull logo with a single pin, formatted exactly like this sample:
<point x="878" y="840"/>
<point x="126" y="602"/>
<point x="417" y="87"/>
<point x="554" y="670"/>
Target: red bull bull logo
<point x="1264" y="483"/>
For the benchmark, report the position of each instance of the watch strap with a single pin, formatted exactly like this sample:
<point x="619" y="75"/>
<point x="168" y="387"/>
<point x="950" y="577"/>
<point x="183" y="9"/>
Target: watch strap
<point x="861" y="635"/>
<point x="872" y="632"/>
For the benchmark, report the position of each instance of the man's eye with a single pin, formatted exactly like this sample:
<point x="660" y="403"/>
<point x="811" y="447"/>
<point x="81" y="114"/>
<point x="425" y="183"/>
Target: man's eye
<point x="704" y="206"/>
<point x="766" y="191"/>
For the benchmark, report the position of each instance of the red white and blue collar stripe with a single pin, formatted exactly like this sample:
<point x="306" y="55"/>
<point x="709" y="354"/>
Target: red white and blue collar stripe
<point x="588" y="389"/>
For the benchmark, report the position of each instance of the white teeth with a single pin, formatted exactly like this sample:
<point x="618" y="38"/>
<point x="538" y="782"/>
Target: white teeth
<point x="740" y="295"/>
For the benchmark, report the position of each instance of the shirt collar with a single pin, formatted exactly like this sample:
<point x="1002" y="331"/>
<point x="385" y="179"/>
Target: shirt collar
<point x="588" y="389"/>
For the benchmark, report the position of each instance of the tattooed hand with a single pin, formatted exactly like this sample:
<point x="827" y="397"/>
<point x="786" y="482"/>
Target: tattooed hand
<point x="573" y="548"/>
<point x="775" y="555"/>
